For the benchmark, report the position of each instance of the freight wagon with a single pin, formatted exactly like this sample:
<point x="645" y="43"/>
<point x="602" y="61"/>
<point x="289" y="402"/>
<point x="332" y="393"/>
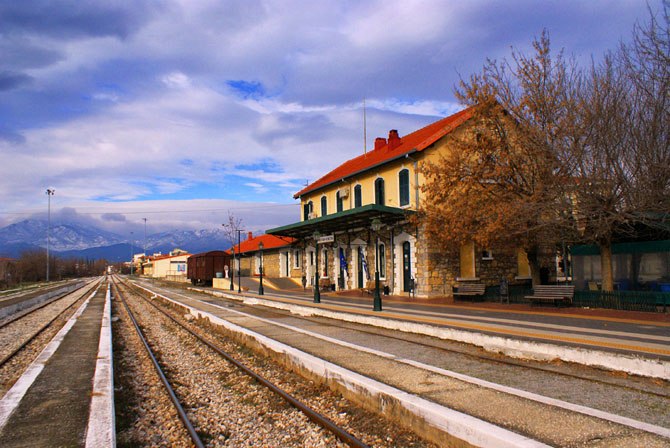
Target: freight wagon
<point x="202" y="268"/>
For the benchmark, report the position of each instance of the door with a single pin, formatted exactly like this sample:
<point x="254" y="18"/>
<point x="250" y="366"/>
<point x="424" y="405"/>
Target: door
<point x="287" y="272"/>
<point x="360" y="268"/>
<point x="406" y="267"/>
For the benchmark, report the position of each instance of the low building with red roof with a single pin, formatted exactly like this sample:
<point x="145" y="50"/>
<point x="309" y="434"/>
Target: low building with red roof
<point x="362" y="208"/>
<point x="274" y="253"/>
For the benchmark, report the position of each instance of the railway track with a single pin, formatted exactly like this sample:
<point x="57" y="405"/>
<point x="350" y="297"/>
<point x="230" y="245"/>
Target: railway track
<point x="342" y="434"/>
<point x="614" y="393"/>
<point x="641" y="385"/>
<point x="17" y="335"/>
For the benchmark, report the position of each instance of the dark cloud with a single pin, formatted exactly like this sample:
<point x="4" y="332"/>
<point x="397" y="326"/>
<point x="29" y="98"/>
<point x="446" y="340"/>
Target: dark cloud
<point x="75" y="18"/>
<point x="12" y="80"/>
<point x="10" y="135"/>
<point x="303" y="128"/>
<point x="117" y="217"/>
<point x="20" y="54"/>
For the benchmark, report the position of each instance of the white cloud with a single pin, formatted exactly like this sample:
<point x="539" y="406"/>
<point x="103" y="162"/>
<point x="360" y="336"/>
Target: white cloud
<point x="176" y="80"/>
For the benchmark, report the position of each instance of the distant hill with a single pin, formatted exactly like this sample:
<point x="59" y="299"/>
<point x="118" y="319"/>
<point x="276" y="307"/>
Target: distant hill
<point x="72" y="239"/>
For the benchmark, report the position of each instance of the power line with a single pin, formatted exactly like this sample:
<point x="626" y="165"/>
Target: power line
<point x="264" y="206"/>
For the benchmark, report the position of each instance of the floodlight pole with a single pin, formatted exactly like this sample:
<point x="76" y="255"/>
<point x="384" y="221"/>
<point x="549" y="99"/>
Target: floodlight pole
<point x="131" y="254"/>
<point x="50" y="192"/>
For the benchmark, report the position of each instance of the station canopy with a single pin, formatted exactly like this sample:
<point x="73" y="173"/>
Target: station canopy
<point x="359" y="217"/>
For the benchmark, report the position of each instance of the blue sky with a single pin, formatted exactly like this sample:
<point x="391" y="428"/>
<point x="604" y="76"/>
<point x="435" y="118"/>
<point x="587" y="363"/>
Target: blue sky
<point x="168" y="107"/>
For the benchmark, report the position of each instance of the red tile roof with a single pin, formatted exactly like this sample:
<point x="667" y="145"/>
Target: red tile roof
<point x="269" y="242"/>
<point x="416" y="141"/>
<point x="163" y="257"/>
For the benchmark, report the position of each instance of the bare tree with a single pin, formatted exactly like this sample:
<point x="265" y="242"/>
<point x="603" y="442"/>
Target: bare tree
<point x="231" y="226"/>
<point x="501" y="184"/>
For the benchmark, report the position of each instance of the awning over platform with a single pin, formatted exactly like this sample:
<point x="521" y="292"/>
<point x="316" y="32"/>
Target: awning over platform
<point x="348" y="219"/>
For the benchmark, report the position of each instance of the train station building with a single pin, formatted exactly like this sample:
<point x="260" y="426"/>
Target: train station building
<point x="357" y="218"/>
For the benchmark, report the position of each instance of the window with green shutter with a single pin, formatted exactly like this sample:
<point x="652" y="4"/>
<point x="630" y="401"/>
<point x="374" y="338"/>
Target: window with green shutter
<point x="403" y="186"/>
<point x="379" y="191"/>
<point x="358" y="196"/>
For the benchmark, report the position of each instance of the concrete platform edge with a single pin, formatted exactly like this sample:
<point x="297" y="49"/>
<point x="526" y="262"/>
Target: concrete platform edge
<point x="540" y="351"/>
<point x="101" y="430"/>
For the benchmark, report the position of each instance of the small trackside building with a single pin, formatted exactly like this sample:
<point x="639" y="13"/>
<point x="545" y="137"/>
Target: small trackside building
<point x="358" y="218"/>
<point x="276" y="256"/>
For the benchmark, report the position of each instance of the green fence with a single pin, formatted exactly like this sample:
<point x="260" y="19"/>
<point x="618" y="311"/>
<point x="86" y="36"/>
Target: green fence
<point x="623" y="300"/>
<point x="651" y="301"/>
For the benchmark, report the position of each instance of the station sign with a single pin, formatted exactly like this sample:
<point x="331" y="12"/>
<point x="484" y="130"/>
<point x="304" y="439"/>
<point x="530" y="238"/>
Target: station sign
<point x="326" y="239"/>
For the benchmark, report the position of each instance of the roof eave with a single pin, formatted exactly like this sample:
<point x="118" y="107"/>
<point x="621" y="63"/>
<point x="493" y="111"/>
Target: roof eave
<point x="356" y="173"/>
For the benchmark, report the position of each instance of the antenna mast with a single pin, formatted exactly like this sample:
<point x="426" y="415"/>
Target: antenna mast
<point x="365" y="130"/>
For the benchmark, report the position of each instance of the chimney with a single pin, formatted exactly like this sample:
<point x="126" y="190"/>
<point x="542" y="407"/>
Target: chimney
<point x="394" y="139"/>
<point x="380" y="142"/>
<point x="250" y="236"/>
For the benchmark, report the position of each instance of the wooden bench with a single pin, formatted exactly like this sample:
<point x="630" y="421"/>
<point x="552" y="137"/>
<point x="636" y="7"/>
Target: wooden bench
<point x="471" y="290"/>
<point x="552" y="293"/>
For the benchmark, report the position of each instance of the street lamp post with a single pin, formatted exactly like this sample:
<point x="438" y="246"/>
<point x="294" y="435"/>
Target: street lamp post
<point x="50" y="192"/>
<point x="260" y="288"/>
<point x="232" y="272"/>
<point x="317" y="293"/>
<point x="377" y="303"/>
<point x="239" y="264"/>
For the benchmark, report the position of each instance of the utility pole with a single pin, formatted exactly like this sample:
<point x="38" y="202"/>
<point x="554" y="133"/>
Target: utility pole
<point x="50" y="192"/>
<point x="131" y="254"/>
<point x="145" y="238"/>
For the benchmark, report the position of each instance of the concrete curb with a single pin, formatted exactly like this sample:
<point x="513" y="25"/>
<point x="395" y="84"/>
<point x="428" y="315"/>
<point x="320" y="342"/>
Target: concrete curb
<point x="414" y="410"/>
<point x="11" y="309"/>
<point x="515" y="348"/>
<point x="101" y="430"/>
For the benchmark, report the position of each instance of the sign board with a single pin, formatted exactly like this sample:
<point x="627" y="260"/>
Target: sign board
<point x="326" y="239"/>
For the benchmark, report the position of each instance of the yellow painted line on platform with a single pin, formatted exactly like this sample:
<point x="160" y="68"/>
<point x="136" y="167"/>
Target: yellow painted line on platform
<point x="479" y="327"/>
<point x="538" y="313"/>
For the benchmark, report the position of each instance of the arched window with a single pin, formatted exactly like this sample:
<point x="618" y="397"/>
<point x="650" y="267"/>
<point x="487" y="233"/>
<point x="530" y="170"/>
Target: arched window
<point x="340" y="206"/>
<point x="324" y="206"/>
<point x="403" y="187"/>
<point x="307" y="209"/>
<point x="358" y="196"/>
<point x="379" y="191"/>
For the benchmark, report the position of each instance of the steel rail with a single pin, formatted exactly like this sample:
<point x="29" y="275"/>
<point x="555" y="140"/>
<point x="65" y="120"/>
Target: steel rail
<point x="7" y="358"/>
<point x="180" y="410"/>
<point x="314" y="416"/>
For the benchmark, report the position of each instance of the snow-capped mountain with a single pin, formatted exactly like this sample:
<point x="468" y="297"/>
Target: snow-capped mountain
<point x="194" y="241"/>
<point x="62" y="236"/>
<point x="74" y="239"/>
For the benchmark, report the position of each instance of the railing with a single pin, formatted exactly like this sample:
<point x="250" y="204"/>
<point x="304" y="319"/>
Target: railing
<point x="652" y="301"/>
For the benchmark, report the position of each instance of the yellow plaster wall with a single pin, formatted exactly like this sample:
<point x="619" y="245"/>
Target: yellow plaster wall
<point x="367" y="179"/>
<point x="162" y="266"/>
